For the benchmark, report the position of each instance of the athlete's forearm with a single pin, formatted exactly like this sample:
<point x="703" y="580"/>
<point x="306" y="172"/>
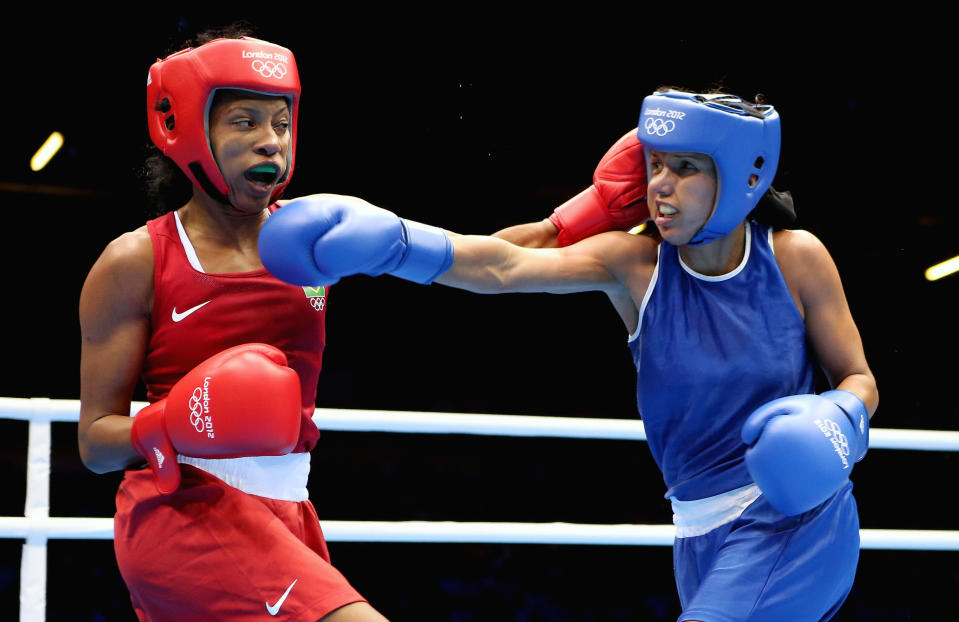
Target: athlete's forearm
<point x="542" y="234"/>
<point x="481" y="264"/>
<point x="105" y="444"/>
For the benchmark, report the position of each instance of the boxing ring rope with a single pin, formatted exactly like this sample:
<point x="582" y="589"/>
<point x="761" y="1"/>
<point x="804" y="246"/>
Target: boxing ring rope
<point x="36" y="526"/>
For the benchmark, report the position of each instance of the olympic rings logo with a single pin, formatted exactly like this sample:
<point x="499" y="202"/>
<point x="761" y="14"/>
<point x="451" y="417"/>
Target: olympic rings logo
<point x="318" y="303"/>
<point x="659" y="127"/>
<point x="196" y="409"/>
<point x="269" y="69"/>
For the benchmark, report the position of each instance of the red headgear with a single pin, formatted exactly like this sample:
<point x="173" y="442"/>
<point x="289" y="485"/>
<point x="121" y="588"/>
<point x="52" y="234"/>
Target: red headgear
<point x="180" y="90"/>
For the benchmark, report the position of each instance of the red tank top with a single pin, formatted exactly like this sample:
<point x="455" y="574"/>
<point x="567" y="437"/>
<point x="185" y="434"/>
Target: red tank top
<point x="195" y="315"/>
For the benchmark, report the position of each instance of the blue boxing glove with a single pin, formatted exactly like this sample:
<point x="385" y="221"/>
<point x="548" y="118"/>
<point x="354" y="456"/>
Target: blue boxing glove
<point x="318" y="239"/>
<point x="803" y="447"/>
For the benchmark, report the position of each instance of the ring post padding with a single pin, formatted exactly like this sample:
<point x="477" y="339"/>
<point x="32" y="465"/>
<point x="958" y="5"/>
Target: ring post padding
<point x="33" y="566"/>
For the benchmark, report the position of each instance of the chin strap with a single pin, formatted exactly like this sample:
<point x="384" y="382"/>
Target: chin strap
<point x="206" y="184"/>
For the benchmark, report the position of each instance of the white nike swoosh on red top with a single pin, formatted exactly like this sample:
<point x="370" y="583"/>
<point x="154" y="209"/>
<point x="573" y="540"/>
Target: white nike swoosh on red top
<point x="275" y="609"/>
<point x="179" y="316"/>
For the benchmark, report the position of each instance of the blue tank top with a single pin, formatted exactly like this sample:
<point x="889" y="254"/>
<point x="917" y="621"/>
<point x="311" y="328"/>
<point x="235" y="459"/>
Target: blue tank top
<point x="708" y="352"/>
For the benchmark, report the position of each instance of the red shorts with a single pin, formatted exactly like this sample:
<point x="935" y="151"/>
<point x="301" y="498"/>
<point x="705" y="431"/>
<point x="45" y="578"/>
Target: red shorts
<point x="211" y="552"/>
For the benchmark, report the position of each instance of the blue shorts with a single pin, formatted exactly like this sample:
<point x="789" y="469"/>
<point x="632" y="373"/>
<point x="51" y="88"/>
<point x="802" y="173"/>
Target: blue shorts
<point x="764" y="566"/>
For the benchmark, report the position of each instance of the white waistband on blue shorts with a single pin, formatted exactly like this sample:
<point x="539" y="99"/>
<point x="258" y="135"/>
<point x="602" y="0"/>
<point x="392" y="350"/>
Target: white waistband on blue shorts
<point x="700" y="516"/>
<point x="275" y="477"/>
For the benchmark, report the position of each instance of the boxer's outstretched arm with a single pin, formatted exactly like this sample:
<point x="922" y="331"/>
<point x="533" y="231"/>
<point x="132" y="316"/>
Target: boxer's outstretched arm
<point x="490" y="265"/>
<point x="542" y="234"/>
<point x="322" y="238"/>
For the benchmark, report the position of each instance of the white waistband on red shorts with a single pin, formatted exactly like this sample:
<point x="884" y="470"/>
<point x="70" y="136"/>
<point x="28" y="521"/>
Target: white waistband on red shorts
<point x="700" y="516"/>
<point x="274" y="477"/>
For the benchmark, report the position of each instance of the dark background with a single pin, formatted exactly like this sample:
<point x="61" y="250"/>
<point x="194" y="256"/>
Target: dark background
<point x="474" y="119"/>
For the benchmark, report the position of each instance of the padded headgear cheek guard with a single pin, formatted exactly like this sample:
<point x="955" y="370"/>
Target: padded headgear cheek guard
<point x="742" y="139"/>
<point x="180" y="90"/>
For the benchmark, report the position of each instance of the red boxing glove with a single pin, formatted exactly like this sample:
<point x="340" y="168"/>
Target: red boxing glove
<point x="615" y="201"/>
<point x="244" y="401"/>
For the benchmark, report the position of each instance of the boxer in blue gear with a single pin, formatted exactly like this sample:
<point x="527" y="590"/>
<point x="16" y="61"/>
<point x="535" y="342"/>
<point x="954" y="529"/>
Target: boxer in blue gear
<point x="725" y="317"/>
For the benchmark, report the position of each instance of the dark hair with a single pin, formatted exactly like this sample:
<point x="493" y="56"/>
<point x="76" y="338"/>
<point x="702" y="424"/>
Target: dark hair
<point x="775" y="209"/>
<point x="718" y="89"/>
<point x="166" y="186"/>
<point x="233" y="30"/>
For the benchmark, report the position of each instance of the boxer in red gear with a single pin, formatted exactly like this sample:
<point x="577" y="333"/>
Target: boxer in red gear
<point x="180" y="300"/>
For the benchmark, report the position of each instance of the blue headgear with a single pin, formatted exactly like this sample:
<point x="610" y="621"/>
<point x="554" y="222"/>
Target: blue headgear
<point x="741" y="137"/>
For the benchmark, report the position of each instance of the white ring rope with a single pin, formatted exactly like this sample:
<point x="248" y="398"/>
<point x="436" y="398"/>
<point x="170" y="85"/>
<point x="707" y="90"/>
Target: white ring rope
<point x="36" y="525"/>
<point x="483" y="533"/>
<point x="43" y="409"/>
